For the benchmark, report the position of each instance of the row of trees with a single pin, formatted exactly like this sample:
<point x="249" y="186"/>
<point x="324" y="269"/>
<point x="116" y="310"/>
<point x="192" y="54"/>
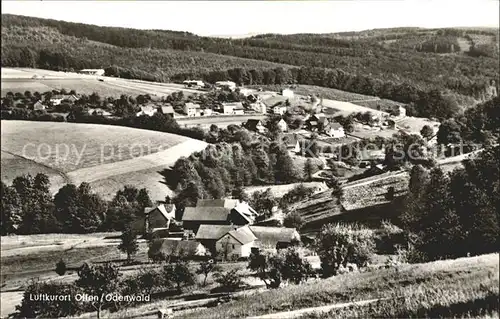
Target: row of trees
<point x="455" y="215"/>
<point x="219" y="169"/>
<point x="28" y="207"/>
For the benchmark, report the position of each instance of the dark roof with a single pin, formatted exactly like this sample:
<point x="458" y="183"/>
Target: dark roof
<point x="290" y="140"/>
<point x="213" y="232"/>
<point x="171" y="247"/>
<point x="168" y="210"/>
<point x="206" y="214"/>
<point x="271" y="236"/>
<point x="227" y="203"/>
<point x="252" y="124"/>
<point x="335" y="125"/>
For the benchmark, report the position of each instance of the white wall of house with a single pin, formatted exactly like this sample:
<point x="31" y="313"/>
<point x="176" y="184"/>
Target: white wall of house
<point x="337" y="133"/>
<point x="230" y="247"/>
<point x="287" y="93"/>
<point x="228" y="109"/>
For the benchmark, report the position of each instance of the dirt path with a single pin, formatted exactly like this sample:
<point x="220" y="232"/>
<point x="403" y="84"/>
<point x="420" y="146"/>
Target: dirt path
<point x="321" y="309"/>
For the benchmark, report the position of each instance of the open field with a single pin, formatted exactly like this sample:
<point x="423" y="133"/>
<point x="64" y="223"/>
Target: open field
<point x="474" y="274"/>
<point x="21" y="79"/>
<point x="71" y="152"/>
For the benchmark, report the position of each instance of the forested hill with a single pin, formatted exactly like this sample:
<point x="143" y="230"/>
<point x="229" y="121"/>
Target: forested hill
<point x="403" y="64"/>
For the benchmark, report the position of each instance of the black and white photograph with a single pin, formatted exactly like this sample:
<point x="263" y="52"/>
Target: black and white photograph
<point x="250" y="159"/>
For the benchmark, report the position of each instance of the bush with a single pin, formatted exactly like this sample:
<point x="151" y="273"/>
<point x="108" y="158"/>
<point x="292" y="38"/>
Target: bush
<point x="61" y="267"/>
<point x="229" y="281"/>
<point x="340" y="244"/>
<point x="178" y="274"/>
<point x="388" y="237"/>
<point x="293" y="220"/>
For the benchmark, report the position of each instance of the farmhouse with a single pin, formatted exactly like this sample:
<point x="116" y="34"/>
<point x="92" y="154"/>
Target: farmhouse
<point x="245" y="91"/>
<point x="236" y="243"/>
<point x="225" y="85"/>
<point x="259" y="107"/>
<point x="287" y="93"/>
<point x="274" y="237"/>
<point x="168" y="110"/>
<point x="231" y="108"/>
<point x="241" y="207"/>
<point x="98" y="111"/>
<point x="161" y="248"/>
<point x="282" y="125"/>
<point x="208" y="235"/>
<point x="160" y="216"/>
<point x="148" y="110"/>
<point x="335" y="130"/>
<point x="255" y="126"/>
<point x="39" y="106"/>
<point x="279" y="109"/>
<point x="99" y="72"/>
<point x="192" y="109"/>
<point x="193" y="217"/>
<point x="59" y="98"/>
<point x="193" y="83"/>
<point x="398" y="110"/>
<point x="292" y="142"/>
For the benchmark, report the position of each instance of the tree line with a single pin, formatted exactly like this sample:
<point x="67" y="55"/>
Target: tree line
<point x="458" y="214"/>
<point x="148" y="55"/>
<point x="28" y="207"/>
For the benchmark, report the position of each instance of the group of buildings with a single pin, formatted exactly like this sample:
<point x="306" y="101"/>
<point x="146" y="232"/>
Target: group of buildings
<point x="225" y="228"/>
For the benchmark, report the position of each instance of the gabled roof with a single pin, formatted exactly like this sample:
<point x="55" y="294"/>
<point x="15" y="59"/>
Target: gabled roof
<point x="271" y="236"/>
<point x="235" y="105"/>
<point x="190" y="105"/>
<point x="206" y="214"/>
<point x="291" y="140"/>
<point x="243" y="235"/>
<point x="251" y="124"/>
<point x="167" y="109"/>
<point x="213" y="232"/>
<point x="168" y="211"/>
<point x="227" y="203"/>
<point x="335" y="125"/>
<point x="171" y="247"/>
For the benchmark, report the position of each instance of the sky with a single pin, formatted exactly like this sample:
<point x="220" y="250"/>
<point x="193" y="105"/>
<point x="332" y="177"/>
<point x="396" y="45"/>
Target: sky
<point x="234" y="18"/>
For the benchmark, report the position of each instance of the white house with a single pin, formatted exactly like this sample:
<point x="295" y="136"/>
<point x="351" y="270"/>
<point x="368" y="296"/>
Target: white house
<point x="39" y="106"/>
<point x="236" y="243"/>
<point x="335" y="130"/>
<point x="192" y="109"/>
<point x="282" y="125"/>
<point x="206" y="112"/>
<point x="225" y="85"/>
<point x="194" y="83"/>
<point x="233" y="108"/>
<point x="259" y="107"/>
<point x="147" y="110"/>
<point x="287" y="93"/>
<point x="99" y="72"/>
<point x="98" y="111"/>
<point x="245" y="91"/>
<point x="279" y="109"/>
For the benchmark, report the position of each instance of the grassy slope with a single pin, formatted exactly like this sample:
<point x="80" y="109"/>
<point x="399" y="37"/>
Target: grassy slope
<point x="469" y="274"/>
<point x="132" y="156"/>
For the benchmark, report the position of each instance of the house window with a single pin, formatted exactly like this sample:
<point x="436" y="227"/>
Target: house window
<point x="233" y="246"/>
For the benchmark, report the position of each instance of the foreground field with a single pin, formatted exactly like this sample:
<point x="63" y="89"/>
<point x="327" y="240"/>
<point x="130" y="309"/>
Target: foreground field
<point x="471" y="278"/>
<point x="71" y="152"/>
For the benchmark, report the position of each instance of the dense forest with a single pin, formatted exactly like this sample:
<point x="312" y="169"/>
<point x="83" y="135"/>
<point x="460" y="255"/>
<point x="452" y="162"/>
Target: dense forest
<point x="379" y="62"/>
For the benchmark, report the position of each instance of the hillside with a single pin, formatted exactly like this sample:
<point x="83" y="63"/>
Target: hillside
<point x="392" y="63"/>
<point x="98" y="154"/>
<point x="446" y="283"/>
